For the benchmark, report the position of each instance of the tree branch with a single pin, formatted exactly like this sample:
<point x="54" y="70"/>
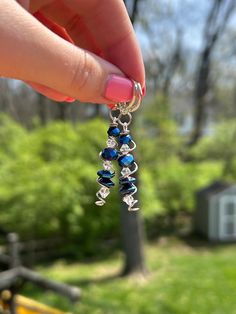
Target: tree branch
<point x="214" y="27"/>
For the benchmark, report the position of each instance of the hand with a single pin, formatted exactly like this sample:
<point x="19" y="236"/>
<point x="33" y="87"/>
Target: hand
<point x="91" y="59"/>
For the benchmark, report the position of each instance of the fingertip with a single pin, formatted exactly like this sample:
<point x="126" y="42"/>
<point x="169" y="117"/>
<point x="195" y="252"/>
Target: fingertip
<point x="69" y="99"/>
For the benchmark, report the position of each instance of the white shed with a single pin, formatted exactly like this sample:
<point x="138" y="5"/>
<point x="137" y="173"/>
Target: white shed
<point x="215" y="215"/>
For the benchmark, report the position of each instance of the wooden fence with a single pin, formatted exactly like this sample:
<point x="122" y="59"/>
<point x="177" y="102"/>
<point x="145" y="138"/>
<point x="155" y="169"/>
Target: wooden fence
<point x="32" y="251"/>
<point x="17" y="275"/>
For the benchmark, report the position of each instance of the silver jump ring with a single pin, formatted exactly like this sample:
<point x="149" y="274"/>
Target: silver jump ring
<point x="137" y="97"/>
<point x="113" y="118"/>
<point x="134" y="103"/>
<point x="127" y="123"/>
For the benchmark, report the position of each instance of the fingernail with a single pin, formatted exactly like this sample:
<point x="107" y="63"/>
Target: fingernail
<point x="70" y="99"/>
<point x="144" y="90"/>
<point x="118" y="89"/>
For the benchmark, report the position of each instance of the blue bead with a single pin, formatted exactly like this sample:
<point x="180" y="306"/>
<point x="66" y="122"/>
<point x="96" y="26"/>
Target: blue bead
<point x="127" y="180"/>
<point x="113" y="131"/>
<point x="106" y="182"/>
<point x="105" y="174"/>
<point x="109" y="154"/>
<point x="126" y="160"/>
<point x="127" y="188"/>
<point x="125" y="139"/>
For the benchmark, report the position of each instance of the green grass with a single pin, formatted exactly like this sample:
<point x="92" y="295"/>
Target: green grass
<point x="183" y="279"/>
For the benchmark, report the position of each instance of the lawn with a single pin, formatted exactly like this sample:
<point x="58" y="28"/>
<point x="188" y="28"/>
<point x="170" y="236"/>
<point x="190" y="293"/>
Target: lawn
<point x="184" y="278"/>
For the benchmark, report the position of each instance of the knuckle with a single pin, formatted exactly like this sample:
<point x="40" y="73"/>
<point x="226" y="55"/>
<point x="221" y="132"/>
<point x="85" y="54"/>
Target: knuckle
<point x="82" y="72"/>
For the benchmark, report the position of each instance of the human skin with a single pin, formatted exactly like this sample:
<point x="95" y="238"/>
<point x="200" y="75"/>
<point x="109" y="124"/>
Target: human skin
<point x="96" y="41"/>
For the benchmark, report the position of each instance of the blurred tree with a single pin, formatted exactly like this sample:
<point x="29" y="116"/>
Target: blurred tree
<point x="62" y="110"/>
<point x="220" y="147"/>
<point x="161" y="70"/>
<point x="42" y="109"/>
<point x="163" y="29"/>
<point x="173" y="64"/>
<point x="169" y="183"/>
<point x="215" y="24"/>
<point x="173" y="28"/>
<point x="131" y="222"/>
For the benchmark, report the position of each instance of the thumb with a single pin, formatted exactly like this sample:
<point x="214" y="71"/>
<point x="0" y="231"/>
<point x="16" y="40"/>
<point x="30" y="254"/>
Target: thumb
<point x="31" y="52"/>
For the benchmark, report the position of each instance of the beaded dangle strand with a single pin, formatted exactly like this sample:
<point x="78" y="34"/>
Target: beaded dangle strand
<point x="127" y="162"/>
<point x="125" y="159"/>
<point x="108" y="154"/>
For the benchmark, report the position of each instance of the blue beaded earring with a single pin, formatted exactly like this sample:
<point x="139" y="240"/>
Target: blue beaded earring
<point x="128" y="164"/>
<point x="108" y="154"/>
<point x="124" y="156"/>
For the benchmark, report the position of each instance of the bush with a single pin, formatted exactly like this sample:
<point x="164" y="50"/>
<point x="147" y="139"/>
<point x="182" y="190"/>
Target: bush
<point x="48" y="181"/>
<point x="220" y="147"/>
<point x="48" y="186"/>
<point x="172" y="185"/>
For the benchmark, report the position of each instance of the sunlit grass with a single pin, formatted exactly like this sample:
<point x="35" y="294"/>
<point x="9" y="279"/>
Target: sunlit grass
<point x="183" y="279"/>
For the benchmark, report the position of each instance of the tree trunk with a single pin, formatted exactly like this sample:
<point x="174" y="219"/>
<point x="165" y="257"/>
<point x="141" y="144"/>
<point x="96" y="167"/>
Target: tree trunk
<point x="42" y="109"/>
<point x="132" y="224"/>
<point x="62" y="111"/>
<point x="133" y="240"/>
<point x="173" y="64"/>
<point x="132" y="229"/>
<point x="132" y="236"/>
<point x="134" y="13"/>
<point x="134" y="10"/>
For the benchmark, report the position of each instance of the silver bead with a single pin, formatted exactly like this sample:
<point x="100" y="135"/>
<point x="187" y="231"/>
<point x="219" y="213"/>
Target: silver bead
<point x="130" y="201"/>
<point x="125" y="172"/>
<point x="111" y="143"/>
<point x="104" y="192"/>
<point x="107" y="165"/>
<point x="125" y="148"/>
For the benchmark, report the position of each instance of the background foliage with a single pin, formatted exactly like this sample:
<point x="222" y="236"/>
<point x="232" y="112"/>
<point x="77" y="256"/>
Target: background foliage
<point x="185" y="131"/>
<point x="48" y="186"/>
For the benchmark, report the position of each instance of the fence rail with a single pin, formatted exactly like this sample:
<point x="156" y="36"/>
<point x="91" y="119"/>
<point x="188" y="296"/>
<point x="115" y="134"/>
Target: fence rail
<point x="4" y="259"/>
<point x="15" y="277"/>
<point x="33" y="251"/>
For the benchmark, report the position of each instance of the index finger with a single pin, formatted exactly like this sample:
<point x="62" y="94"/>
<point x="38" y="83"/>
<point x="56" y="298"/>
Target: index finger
<point x="109" y="24"/>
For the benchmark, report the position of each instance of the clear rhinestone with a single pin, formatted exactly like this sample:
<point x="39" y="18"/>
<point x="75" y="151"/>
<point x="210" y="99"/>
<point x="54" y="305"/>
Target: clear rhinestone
<point x="128" y="199"/>
<point x="125" y="148"/>
<point x="104" y="192"/>
<point x="111" y="142"/>
<point x="125" y="172"/>
<point x="107" y="165"/>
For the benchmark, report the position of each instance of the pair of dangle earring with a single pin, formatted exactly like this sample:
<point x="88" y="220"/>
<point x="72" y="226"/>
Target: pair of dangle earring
<point x="119" y="147"/>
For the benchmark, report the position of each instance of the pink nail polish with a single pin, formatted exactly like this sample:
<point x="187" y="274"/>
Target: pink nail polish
<point x="144" y="90"/>
<point x="70" y="99"/>
<point x="118" y="89"/>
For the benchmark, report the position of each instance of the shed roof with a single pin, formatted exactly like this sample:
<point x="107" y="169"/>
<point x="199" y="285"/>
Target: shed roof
<point x="213" y="188"/>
